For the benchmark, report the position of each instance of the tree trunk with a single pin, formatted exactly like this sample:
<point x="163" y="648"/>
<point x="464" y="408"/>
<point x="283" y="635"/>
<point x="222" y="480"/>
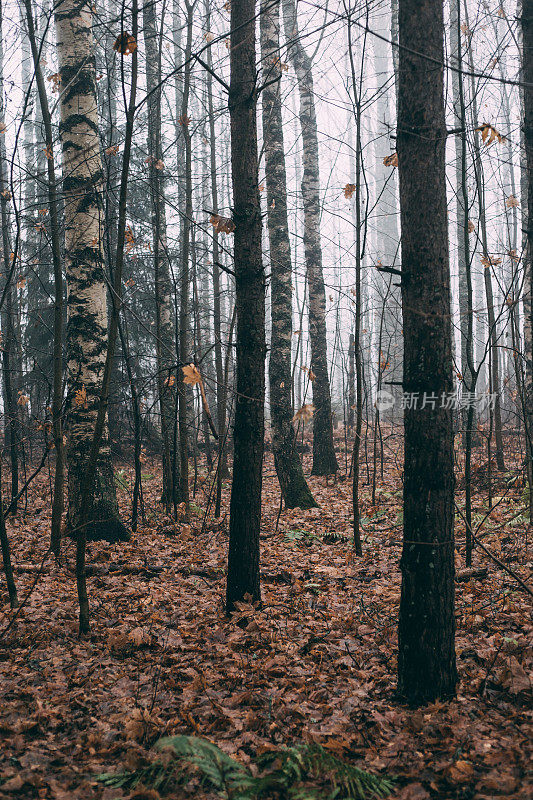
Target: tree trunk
<point x="248" y="436"/>
<point x="184" y="276"/>
<point x="386" y="219"/>
<point x="426" y="658"/>
<point x="324" y="458"/>
<point x="165" y="342"/>
<point x="87" y="302"/>
<point x="527" y="78"/>
<point x="294" y="488"/>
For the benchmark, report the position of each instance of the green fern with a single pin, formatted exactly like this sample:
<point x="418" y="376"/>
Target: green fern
<point x="311" y="762"/>
<point x="302" y="772"/>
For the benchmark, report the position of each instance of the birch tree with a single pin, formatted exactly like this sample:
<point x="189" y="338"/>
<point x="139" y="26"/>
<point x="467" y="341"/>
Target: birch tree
<point x="293" y="485"/>
<point x="86" y="300"/>
<point x="324" y="458"/>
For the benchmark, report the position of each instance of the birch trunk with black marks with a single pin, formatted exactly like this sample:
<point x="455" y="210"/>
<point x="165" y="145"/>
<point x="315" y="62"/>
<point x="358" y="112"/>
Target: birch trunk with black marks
<point x="86" y="300"/>
<point x="248" y="436"/>
<point x="426" y="656"/>
<point x="165" y="339"/>
<point x="324" y="458"/>
<point x="294" y="488"/>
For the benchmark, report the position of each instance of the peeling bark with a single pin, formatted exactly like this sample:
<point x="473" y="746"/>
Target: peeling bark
<point x="289" y="470"/>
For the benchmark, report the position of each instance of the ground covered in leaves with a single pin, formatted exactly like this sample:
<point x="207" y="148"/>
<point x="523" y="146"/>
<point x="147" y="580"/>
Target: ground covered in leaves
<point x="316" y="663"/>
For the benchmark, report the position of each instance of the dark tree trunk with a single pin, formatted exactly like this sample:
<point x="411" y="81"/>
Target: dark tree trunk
<point x="165" y="343"/>
<point x="245" y="507"/>
<point x="426" y="658"/>
<point x="289" y="470"/>
<point x="527" y="102"/>
<point x="324" y="458"/>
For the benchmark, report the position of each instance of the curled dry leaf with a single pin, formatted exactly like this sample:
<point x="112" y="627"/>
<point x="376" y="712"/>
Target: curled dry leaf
<point x="222" y="224"/>
<point x="191" y="376"/>
<point x="125" y="44"/>
<point x="304" y="413"/>
<point x="349" y="189"/>
<point x="392" y="160"/>
<point x="489" y="134"/>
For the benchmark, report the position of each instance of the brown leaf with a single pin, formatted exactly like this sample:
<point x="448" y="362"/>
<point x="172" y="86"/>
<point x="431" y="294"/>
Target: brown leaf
<point x="191" y="376"/>
<point x="222" y="224"/>
<point x="125" y="44"/>
<point x="304" y="413"/>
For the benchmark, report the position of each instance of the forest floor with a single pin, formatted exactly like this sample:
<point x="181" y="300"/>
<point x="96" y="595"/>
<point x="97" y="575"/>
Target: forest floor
<point x="317" y="662"/>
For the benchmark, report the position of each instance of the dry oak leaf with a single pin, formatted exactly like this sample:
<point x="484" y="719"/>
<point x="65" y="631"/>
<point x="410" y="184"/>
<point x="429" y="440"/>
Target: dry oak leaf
<point x="191" y="375"/>
<point x="304" y="413"/>
<point x="80" y="398"/>
<point x="489" y="134"/>
<point x="471" y="226"/>
<point x="125" y="44"/>
<point x="391" y="161"/>
<point x="460" y="772"/>
<point x="112" y="151"/>
<point x="349" y="189"/>
<point x="512" y="201"/>
<point x="222" y="224"/>
<point x="55" y="80"/>
<point x="490" y="261"/>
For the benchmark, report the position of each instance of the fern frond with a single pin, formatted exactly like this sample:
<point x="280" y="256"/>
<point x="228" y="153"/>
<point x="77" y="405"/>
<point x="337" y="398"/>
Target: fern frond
<point x="302" y="772"/>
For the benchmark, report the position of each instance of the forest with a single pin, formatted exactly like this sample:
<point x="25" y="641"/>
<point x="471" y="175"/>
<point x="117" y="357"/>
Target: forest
<point x="266" y="401"/>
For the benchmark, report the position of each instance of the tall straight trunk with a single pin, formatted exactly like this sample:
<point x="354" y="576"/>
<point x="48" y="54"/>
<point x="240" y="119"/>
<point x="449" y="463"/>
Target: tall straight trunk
<point x="53" y="207"/>
<point x="493" y="351"/>
<point x="86" y="301"/>
<point x="356" y="85"/>
<point x="387" y="245"/>
<point x="184" y="275"/>
<point x="463" y="241"/>
<point x="222" y="390"/>
<point x="289" y="470"/>
<point x="426" y="658"/>
<point x="4" y="542"/>
<point x="324" y="458"/>
<point x="527" y="88"/>
<point x="165" y="342"/>
<point x="12" y="419"/>
<point x="248" y="436"/>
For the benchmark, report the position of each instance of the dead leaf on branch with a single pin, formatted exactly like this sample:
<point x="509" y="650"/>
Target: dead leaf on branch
<point x="125" y="44"/>
<point x="512" y="201"/>
<point x="349" y="189"/>
<point x="222" y="224"/>
<point x="305" y="413"/>
<point x="309" y="372"/>
<point x="489" y="134"/>
<point x="392" y="160"/>
<point x="191" y="375"/>
<point x="490" y="261"/>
